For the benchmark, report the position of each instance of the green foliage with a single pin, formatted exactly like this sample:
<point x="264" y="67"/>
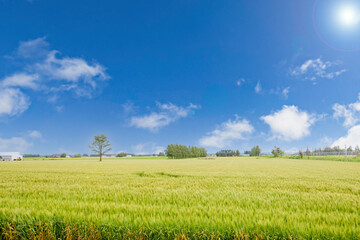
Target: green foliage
<point x="77" y="156"/>
<point x="122" y="154"/>
<point x="100" y="145"/>
<point x="277" y="152"/>
<point x="230" y="198"/>
<point x="63" y="155"/>
<point x="255" y="151"/>
<point x="161" y="154"/>
<point x="178" y="151"/>
<point x="337" y="149"/>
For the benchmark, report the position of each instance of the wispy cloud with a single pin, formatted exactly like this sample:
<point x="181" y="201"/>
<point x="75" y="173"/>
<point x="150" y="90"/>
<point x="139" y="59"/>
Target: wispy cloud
<point x="21" y="143"/>
<point x="284" y="92"/>
<point x="240" y="82"/>
<point x="18" y="144"/>
<point x="23" y="80"/>
<point x="258" y="87"/>
<point x="129" y="107"/>
<point x="314" y="69"/>
<point x="47" y="71"/>
<point x="227" y="132"/>
<point x="350" y="112"/>
<point x="13" y="102"/>
<point x="35" y="134"/>
<point x="166" y="114"/>
<point x="147" y="148"/>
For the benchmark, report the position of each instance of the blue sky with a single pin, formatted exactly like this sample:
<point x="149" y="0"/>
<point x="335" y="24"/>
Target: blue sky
<point x="217" y="74"/>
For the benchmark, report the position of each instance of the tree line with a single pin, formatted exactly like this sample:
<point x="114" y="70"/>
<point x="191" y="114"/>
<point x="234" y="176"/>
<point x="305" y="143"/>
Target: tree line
<point x="178" y="151"/>
<point x="337" y="149"/>
<point x="228" y="153"/>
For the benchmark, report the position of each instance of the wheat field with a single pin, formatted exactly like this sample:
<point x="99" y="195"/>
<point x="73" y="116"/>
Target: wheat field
<point x="226" y="198"/>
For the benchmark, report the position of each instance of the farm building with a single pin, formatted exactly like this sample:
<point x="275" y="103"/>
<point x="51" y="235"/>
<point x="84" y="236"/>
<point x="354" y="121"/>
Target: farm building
<point x="10" y="156"/>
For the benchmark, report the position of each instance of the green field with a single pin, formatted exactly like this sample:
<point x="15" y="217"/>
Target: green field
<point x="227" y="198"/>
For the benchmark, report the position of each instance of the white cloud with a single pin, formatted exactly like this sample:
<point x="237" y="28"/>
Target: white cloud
<point x="350" y="112"/>
<point x="240" y="82"/>
<point x="351" y="139"/>
<point x="69" y="69"/>
<point x="258" y="88"/>
<point x="226" y="133"/>
<point x="326" y="141"/>
<point x="129" y="107"/>
<point x="285" y="92"/>
<point x="289" y="123"/>
<point x="167" y="114"/>
<point x="46" y="70"/>
<point x="158" y="149"/>
<point x="14" y="144"/>
<point x="13" y="102"/>
<point x="314" y="69"/>
<point x="147" y="148"/>
<point x="33" y="48"/>
<point x="19" y="144"/>
<point x="35" y="134"/>
<point x="21" y="80"/>
<point x="59" y="108"/>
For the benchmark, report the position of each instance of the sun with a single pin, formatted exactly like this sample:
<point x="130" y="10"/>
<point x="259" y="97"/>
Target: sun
<point x="348" y="16"/>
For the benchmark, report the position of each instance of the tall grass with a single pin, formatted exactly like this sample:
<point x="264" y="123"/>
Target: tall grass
<point x="235" y="198"/>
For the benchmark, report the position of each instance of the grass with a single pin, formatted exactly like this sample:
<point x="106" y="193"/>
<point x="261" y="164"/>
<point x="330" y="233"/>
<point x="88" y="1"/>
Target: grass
<point x="228" y="198"/>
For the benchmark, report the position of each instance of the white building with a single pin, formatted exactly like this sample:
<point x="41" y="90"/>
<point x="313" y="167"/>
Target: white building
<point x="10" y="156"/>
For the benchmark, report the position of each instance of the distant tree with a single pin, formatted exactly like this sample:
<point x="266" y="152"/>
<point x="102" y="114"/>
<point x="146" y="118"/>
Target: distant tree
<point x="237" y="152"/>
<point x="182" y="151"/>
<point x="63" y="155"/>
<point x="77" y="156"/>
<point x="277" y="152"/>
<point x="226" y="153"/>
<point x="301" y="154"/>
<point x="336" y="149"/>
<point x="308" y="153"/>
<point x="122" y="154"/>
<point x="357" y="149"/>
<point x="255" y="151"/>
<point x="100" y="145"/>
<point x="161" y="154"/>
<point x="85" y="155"/>
<point x="247" y="152"/>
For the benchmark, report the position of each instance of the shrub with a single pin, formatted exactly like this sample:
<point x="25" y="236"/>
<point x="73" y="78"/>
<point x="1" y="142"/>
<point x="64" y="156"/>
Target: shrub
<point x="122" y="154"/>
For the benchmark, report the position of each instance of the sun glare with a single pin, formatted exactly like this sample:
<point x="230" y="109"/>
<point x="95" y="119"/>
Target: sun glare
<point x="348" y="16"/>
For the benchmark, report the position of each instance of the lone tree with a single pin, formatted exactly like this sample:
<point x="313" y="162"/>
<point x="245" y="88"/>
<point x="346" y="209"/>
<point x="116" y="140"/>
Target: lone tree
<point x="100" y="145"/>
<point x="277" y="152"/>
<point x="255" y="151"/>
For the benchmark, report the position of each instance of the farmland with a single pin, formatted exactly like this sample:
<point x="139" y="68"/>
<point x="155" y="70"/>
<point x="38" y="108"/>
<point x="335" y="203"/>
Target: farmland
<point x="193" y="198"/>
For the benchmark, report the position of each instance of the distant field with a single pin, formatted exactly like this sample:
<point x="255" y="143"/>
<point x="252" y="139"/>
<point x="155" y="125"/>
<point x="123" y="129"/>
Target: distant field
<point x="228" y="198"/>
